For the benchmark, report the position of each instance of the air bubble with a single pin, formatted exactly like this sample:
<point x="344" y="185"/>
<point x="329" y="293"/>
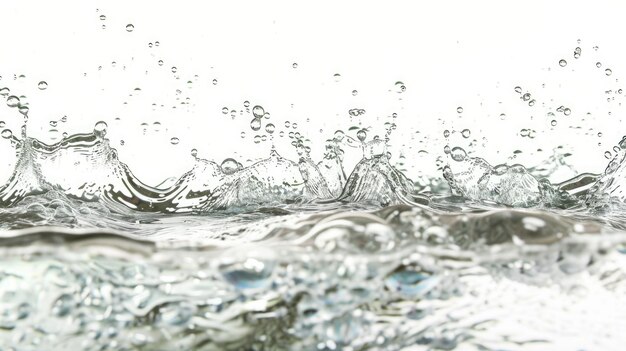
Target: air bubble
<point x="458" y="154"/>
<point x="577" y="52"/>
<point x="160" y="62"/>
<point x="103" y="17"/>
<point x="361" y="135"/>
<point x="466" y="133"/>
<point x="446" y="133"/>
<point x="607" y="155"/>
<point x="225" y="110"/>
<point x="100" y="128"/>
<point x="258" y="111"/>
<point x="608" y="72"/>
<point x="7" y="133"/>
<point x="214" y="81"/>
<point x="400" y="87"/>
<point x="562" y="63"/>
<point x="337" y="77"/>
<point x="194" y="152"/>
<point x="355" y="92"/>
<point x="255" y="124"/>
<point x="174" y="69"/>
<point x="518" y="90"/>
<point x="243" y="135"/>
<point x="42" y="85"/>
<point x="246" y="104"/>
<point x="459" y="109"/>
<point x="294" y="65"/>
<point x="598" y="64"/>
<point x="567" y="111"/>
<point x="553" y="122"/>
<point x="526" y="97"/>
<point x="130" y="27"/>
<point x="174" y="141"/>
<point x="269" y="128"/>
<point x="13" y="101"/>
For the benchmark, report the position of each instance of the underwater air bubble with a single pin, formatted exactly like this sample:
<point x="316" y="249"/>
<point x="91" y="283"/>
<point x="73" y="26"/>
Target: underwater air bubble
<point x="400" y="87"/>
<point x="130" y="28"/>
<point x="6" y="133"/>
<point x="258" y="111"/>
<point x="42" y="85"/>
<point x="466" y="133"/>
<point x="269" y="128"/>
<point x="458" y="154"/>
<point x="255" y="123"/>
<point x="337" y="77"/>
<point x="355" y="92"/>
<point x="459" y="109"/>
<point x="174" y="141"/>
<point x="13" y="101"/>
<point x="562" y="63"/>
<point x="361" y="135"/>
<point x="229" y="166"/>
<point x="608" y="72"/>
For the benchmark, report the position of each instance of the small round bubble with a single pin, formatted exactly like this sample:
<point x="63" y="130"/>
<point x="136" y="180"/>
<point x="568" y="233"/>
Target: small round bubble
<point x="225" y="110"/>
<point x="400" y="87"/>
<point x="608" y="72"/>
<point x="459" y="109"/>
<point x="6" y="134"/>
<point x="229" y="166"/>
<point x="42" y="85"/>
<point x="361" y="135"/>
<point x="130" y="27"/>
<point x="458" y="154"/>
<point x="466" y="133"/>
<point x="258" y="111"/>
<point x="269" y="128"/>
<point x="562" y="63"/>
<point x="174" y="141"/>
<point x="255" y="124"/>
<point x="13" y="101"/>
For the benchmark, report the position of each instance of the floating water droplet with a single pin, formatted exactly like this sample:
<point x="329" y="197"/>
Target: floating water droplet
<point x="255" y="124"/>
<point x="553" y="122"/>
<point x="337" y="77"/>
<point x="214" y="81"/>
<point x="42" y="85"/>
<point x="266" y="115"/>
<point x="446" y="149"/>
<point x="4" y="91"/>
<point x="103" y="17"/>
<point x="599" y="134"/>
<point x="246" y="104"/>
<point x="526" y="97"/>
<point x="13" y="101"/>
<point x="2" y="124"/>
<point x="531" y="102"/>
<point x="269" y="128"/>
<point x="243" y="135"/>
<point x="160" y="62"/>
<point x="608" y="72"/>
<point x="400" y="87"/>
<point x="130" y="27"/>
<point x="150" y="45"/>
<point x="225" y="110"/>
<point x="567" y="111"/>
<point x="258" y="111"/>
<point x="355" y="92"/>
<point x="294" y="65"/>
<point x="458" y="154"/>
<point x="174" y="69"/>
<point x="174" y="141"/>
<point x="257" y="139"/>
<point x="518" y="90"/>
<point x="466" y="133"/>
<point x="100" y="128"/>
<point x="459" y="109"/>
<point x="7" y="133"/>
<point x="502" y="116"/>
<point x="53" y="123"/>
<point x="361" y="135"/>
<point x="194" y="152"/>
<point x="294" y="125"/>
<point x="562" y="63"/>
<point x="446" y="133"/>
<point x="607" y="155"/>
<point x="598" y="64"/>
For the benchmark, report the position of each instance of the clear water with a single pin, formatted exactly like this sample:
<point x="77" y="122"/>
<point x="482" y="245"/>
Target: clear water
<point x="349" y="249"/>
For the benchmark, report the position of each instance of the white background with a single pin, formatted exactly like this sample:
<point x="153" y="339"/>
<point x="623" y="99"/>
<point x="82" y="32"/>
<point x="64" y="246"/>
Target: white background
<point x="447" y="53"/>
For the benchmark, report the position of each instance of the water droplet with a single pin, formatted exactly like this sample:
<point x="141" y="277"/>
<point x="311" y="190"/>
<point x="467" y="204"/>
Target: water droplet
<point x="531" y="102"/>
<point x="13" y="101"/>
<point x="400" y="87"/>
<point x="225" y="110"/>
<point x="150" y="45"/>
<point x="458" y="154"/>
<point x="243" y="135"/>
<point x="2" y="124"/>
<point x="567" y="111"/>
<point x="257" y="139"/>
<point x="502" y="116"/>
<point x="446" y="133"/>
<point x="294" y="125"/>
<point x="7" y="133"/>
<point x="214" y="81"/>
<point x="100" y="128"/>
<point x="174" y="69"/>
<point x="294" y="65"/>
<point x="599" y="134"/>
<point x="160" y="62"/>
<point x="258" y="111"/>
<point x="194" y="152"/>
<point x="53" y="123"/>
<point x="174" y="141"/>
<point x="607" y="155"/>
<point x="103" y="17"/>
<point x="361" y="134"/>
<point x="130" y="27"/>
<point x="246" y="104"/>
<point x="266" y="115"/>
<point x="4" y="91"/>
<point x="269" y="128"/>
<point x="466" y="133"/>
<point x="598" y="64"/>
<point x="562" y="63"/>
<point x="446" y="149"/>
<point x="526" y="97"/>
<point x="255" y="124"/>
<point x="337" y="77"/>
<point x="577" y="52"/>
<point x="553" y="122"/>
<point x="608" y="72"/>
<point x="42" y="85"/>
<point x="518" y="90"/>
<point x="459" y="109"/>
<point x="355" y="92"/>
